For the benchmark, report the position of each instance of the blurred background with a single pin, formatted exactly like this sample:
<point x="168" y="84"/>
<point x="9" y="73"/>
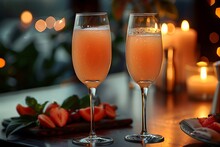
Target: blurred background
<point x="35" y="35"/>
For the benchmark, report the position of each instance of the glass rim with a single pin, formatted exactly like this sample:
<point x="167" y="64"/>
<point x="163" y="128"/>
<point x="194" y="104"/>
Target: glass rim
<point x="143" y="14"/>
<point x="91" y="13"/>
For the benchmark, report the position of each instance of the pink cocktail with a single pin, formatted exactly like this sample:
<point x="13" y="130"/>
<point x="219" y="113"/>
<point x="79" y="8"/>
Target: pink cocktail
<point x="91" y="55"/>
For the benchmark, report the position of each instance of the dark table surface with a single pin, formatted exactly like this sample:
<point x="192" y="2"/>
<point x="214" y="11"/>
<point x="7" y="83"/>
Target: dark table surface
<point x="165" y="111"/>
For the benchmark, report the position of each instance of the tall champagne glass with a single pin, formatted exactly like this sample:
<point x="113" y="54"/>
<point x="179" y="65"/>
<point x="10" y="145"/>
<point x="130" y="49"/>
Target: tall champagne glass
<point x="143" y="58"/>
<point x="91" y="57"/>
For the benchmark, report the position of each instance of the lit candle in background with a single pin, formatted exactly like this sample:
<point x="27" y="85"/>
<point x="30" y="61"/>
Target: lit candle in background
<point x="185" y="44"/>
<point x="167" y="36"/>
<point x="200" y="83"/>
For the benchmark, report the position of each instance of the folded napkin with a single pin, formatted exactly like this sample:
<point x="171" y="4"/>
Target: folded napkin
<point x="201" y="132"/>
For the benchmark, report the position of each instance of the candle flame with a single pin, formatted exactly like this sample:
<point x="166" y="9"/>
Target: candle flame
<point x="156" y="26"/>
<point x="164" y="28"/>
<point x="203" y="73"/>
<point x="185" y="25"/>
<point x="201" y="63"/>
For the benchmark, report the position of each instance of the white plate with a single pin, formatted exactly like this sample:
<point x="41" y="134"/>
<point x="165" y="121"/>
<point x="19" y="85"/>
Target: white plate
<point x="188" y="130"/>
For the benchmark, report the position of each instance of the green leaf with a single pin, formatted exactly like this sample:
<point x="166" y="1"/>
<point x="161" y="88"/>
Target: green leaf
<point x="97" y="101"/>
<point x="43" y="106"/>
<point x="85" y="101"/>
<point x="31" y="101"/>
<point x="71" y="103"/>
<point x="18" y="124"/>
<point x="40" y="107"/>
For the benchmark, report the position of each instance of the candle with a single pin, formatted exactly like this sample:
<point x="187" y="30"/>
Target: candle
<point x="168" y="37"/>
<point x="186" y="49"/>
<point x="200" y="83"/>
<point x="183" y="40"/>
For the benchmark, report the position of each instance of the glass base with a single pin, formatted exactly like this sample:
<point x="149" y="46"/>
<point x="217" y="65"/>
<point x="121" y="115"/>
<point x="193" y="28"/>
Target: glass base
<point x="93" y="141"/>
<point x="148" y="138"/>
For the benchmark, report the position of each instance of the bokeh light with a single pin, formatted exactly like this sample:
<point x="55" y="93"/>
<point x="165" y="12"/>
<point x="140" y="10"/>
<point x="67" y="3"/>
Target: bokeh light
<point x="60" y="24"/>
<point x="211" y="2"/>
<point x="50" y="21"/>
<point x="2" y="62"/>
<point x="26" y="17"/>
<point x="214" y="37"/>
<point x="171" y="28"/>
<point x="218" y="51"/>
<point x="217" y="12"/>
<point x="40" y="25"/>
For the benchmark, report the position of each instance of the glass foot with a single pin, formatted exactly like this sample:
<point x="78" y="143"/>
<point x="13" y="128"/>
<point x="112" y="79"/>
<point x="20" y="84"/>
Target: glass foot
<point x="148" y="138"/>
<point x="93" y="141"/>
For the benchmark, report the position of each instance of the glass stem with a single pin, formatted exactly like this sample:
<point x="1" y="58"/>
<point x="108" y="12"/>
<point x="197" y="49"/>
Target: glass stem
<point x="144" y="92"/>
<point x="92" y="92"/>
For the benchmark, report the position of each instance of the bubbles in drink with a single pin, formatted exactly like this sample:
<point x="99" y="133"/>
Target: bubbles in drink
<point x="89" y="27"/>
<point x="144" y="31"/>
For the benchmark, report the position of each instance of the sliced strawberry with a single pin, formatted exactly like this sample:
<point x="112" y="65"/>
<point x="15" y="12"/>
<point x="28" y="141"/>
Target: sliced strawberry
<point x="99" y="113"/>
<point x="50" y="106"/>
<point x="22" y="110"/>
<point x="201" y="120"/>
<point x="215" y="126"/>
<point x="74" y="116"/>
<point x="209" y="121"/>
<point x="110" y="111"/>
<point x="59" y="116"/>
<point x="45" y="121"/>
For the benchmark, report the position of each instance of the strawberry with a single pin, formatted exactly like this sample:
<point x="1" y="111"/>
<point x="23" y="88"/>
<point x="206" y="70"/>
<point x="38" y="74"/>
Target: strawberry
<point x="45" y="121"/>
<point x="209" y="121"/>
<point x="201" y="120"/>
<point x="110" y="111"/>
<point x="59" y="116"/>
<point x="50" y="106"/>
<point x="215" y="126"/>
<point x="99" y="113"/>
<point x="74" y="116"/>
<point x="22" y="110"/>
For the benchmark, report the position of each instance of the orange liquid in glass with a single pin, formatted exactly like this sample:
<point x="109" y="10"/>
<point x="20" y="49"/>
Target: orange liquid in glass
<point x="91" y="55"/>
<point x="144" y="57"/>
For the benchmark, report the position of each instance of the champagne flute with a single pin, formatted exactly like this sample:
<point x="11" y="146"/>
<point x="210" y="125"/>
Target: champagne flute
<point x="144" y="55"/>
<point x="91" y="57"/>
